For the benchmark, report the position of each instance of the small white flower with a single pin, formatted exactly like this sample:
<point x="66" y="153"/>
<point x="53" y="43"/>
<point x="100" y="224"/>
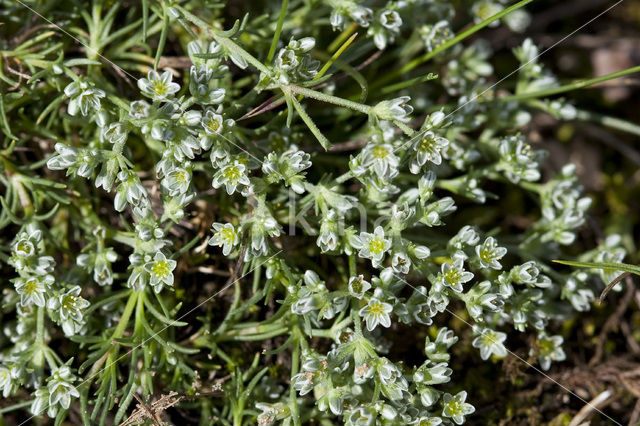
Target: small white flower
<point x="263" y="226"/>
<point x="429" y="148"/>
<point x="400" y="263"/>
<point x="455" y="407"/>
<point x="83" y="98"/>
<point x="129" y="191"/>
<point x="158" y="87"/>
<point x="70" y="304"/>
<point x="61" y="390"/>
<point x="286" y="59"/>
<point x="490" y="342"/>
<point x="358" y="286"/>
<point x="372" y="246"/>
<point x="139" y="109"/>
<point x="549" y="349"/>
<point x="32" y="289"/>
<point x="391" y="20"/>
<point x="160" y="271"/>
<point x="212" y="122"/>
<point x="376" y="312"/>
<point x="381" y="158"/>
<point x="328" y="237"/>
<point x="231" y="176"/>
<point x="66" y="156"/>
<point x="362" y="416"/>
<point x="9" y="382"/>
<point x="177" y="181"/>
<point x="303" y="382"/>
<point x="489" y="254"/>
<point x="453" y="275"/>
<point x="225" y="236"/>
<point x="41" y="403"/>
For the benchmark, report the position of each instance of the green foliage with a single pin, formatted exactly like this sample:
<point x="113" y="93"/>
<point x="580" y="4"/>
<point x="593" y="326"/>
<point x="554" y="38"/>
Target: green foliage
<point x="179" y="213"/>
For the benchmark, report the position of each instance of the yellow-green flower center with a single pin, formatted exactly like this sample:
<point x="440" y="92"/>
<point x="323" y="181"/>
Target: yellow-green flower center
<point x="213" y="124"/>
<point x="452" y="275"/>
<point x="69" y="302"/>
<point x="427" y="144"/>
<point x="24" y="246"/>
<point x="454" y="406"/>
<point x="181" y="177"/>
<point x="380" y="152"/>
<point x="546" y="346"/>
<point x="31" y="287"/>
<point x="376" y="245"/>
<point x="232" y="173"/>
<point x="376" y="308"/>
<point x="161" y="269"/>
<point x="486" y="254"/>
<point x="227" y="234"/>
<point x="159" y="87"/>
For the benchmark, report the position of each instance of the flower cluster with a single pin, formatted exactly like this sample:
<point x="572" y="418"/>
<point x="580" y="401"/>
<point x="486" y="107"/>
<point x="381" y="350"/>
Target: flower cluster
<point x="57" y="393"/>
<point x="35" y="280"/>
<point x="294" y="64"/>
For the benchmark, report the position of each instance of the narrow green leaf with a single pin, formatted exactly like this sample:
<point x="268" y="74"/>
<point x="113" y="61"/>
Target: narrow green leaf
<point x="163" y="37"/>
<point x="335" y="56"/>
<point x="145" y="19"/>
<point x="276" y="35"/>
<point x="182" y="349"/>
<point x="3" y="120"/>
<point x="580" y="84"/>
<point x="80" y="61"/>
<point x="607" y="266"/>
<point x="51" y="107"/>
<point x="309" y="122"/>
<point x="163" y="318"/>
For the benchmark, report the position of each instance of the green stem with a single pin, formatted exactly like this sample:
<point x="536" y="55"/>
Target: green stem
<point x="344" y="177"/>
<point x="293" y="402"/>
<point x="404" y="84"/>
<point x="15" y="406"/>
<point x="612" y="122"/>
<point x="356" y="106"/>
<point x="457" y="39"/>
<point x="163" y="36"/>
<point x="376" y="391"/>
<point x="569" y="87"/>
<point x="352" y="265"/>
<point x="594" y="117"/>
<point x="38" y="359"/>
<point x="406" y="129"/>
<point x="51" y="361"/>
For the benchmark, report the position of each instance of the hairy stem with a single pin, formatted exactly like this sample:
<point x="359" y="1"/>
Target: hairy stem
<point x="356" y="106"/>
